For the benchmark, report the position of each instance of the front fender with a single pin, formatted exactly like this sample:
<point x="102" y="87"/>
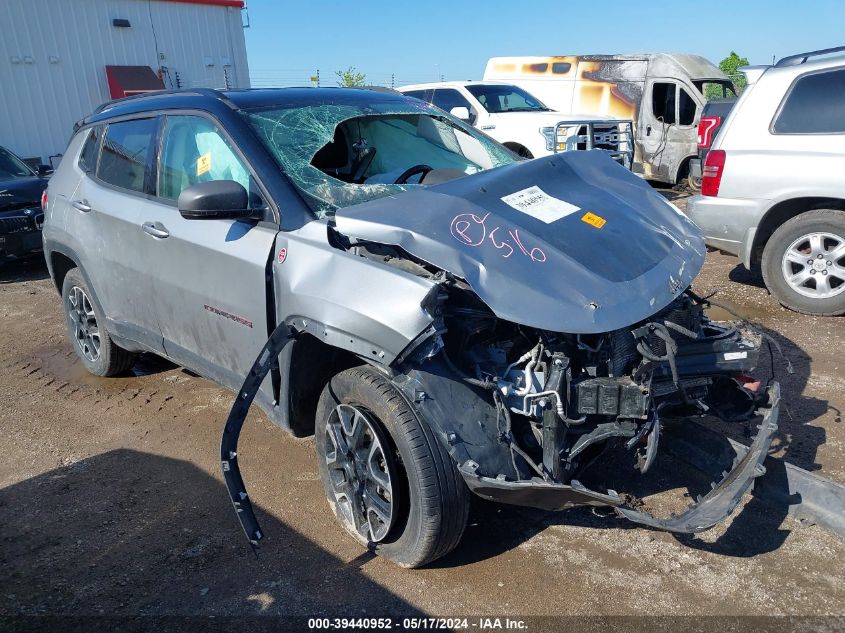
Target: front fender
<point x="347" y="301"/>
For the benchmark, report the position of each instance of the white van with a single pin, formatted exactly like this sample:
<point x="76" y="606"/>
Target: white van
<point x="662" y="93"/>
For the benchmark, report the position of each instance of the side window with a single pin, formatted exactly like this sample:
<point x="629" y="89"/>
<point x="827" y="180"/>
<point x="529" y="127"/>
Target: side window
<point x="686" y="107"/>
<point x="127" y="147"/>
<point x="449" y="98"/>
<point x="194" y="150"/>
<point x="815" y="105"/>
<point x="91" y="150"/>
<point x="663" y="101"/>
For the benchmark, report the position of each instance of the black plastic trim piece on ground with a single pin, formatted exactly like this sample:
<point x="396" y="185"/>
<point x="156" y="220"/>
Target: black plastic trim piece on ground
<point x="280" y="337"/>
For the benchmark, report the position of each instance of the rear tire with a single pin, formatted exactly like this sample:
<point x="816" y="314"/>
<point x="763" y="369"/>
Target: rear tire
<point x="87" y="332"/>
<point x="430" y="499"/>
<point x="816" y="288"/>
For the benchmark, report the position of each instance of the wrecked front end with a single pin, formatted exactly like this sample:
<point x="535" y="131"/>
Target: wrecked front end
<point x="564" y="326"/>
<point x="554" y="323"/>
<point x="539" y="409"/>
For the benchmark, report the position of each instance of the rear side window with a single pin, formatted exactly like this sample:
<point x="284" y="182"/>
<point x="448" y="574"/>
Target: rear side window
<point x="815" y="105"/>
<point x="425" y="95"/>
<point x="126" y="152"/>
<point x="91" y="150"/>
<point x="663" y="101"/>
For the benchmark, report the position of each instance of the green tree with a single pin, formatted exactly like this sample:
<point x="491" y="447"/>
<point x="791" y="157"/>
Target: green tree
<point x="729" y="66"/>
<point x="350" y="77"/>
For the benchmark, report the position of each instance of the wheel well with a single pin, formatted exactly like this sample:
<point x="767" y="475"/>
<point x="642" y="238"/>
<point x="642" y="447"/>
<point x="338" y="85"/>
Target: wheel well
<point x="60" y="264"/>
<point x="782" y="212"/>
<point x="683" y="170"/>
<point x="312" y="365"/>
<point x="519" y="149"/>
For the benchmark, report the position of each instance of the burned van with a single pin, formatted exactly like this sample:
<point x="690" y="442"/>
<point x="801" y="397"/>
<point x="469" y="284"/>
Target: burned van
<point x="662" y="93"/>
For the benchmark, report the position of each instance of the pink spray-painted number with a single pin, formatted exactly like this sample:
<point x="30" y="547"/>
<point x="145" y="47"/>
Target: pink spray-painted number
<point x="471" y="230"/>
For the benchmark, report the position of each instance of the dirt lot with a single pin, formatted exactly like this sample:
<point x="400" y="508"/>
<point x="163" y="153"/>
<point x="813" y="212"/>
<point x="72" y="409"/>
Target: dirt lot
<point x="112" y="502"/>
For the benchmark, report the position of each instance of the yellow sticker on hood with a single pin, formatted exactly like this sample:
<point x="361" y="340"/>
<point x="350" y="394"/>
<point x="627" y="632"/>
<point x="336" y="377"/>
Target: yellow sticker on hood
<point x="593" y="220"/>
<point x="203" y="163"/>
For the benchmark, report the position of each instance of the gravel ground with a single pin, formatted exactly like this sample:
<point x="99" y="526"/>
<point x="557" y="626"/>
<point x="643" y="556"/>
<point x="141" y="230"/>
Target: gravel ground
<point x="112" y="502"/>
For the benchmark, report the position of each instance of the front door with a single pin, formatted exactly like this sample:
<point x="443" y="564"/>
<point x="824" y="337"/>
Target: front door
<point x="667" y="128"/>
<point x="210" y="289"/>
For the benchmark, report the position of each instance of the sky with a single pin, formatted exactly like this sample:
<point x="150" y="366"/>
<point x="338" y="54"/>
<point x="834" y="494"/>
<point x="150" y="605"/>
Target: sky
<point x="412" y="42"/>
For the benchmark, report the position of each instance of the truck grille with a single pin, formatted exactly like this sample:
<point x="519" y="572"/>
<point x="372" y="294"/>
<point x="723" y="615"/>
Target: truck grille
<point x="14" y="225"/>
<point x="616" y="137"/>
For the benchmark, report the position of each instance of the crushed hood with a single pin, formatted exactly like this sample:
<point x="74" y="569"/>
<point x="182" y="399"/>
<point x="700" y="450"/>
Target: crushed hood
<point x="568" y="243"/>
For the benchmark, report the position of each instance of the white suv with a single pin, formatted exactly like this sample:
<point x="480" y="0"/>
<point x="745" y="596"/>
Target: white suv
<point x="773" y="185"/>
<point x="522" y="123"/>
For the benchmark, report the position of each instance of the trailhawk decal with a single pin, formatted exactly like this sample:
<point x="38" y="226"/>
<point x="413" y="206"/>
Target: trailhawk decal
<point x="538" y="204"/>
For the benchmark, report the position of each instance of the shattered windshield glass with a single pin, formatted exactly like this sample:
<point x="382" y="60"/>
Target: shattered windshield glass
<point x="344" y="154"/>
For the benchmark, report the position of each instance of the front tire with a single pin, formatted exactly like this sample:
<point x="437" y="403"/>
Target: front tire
<point x="86" y="330"/>
<point x="803" y="263"/>
<point x="389" y="481"/>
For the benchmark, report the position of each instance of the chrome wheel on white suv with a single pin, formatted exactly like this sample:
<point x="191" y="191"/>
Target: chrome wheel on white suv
<point x="811" y="266"/>
<point x="804" y="263"/>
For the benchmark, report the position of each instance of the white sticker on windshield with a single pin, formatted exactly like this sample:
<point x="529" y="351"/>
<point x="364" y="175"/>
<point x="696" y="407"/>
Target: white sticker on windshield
<point x="538" y="204"/>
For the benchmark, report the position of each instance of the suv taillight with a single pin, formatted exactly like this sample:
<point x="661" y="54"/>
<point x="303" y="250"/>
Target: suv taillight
<point x="706" y="127"/>
<point x="44" y="201"/>
<point x="711" y="175"/>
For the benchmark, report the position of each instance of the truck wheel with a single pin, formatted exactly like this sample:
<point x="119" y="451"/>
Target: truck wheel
<point x="693" y="183"/>
<point x="85" y="328"/>
<point x="388" y="480"/>
<point x="804" y="263"/>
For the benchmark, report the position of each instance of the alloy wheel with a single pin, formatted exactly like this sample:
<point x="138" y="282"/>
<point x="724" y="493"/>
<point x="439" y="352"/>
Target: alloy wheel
<point x="362" y="472"/>
<point x="814" y="265"/>
<point x="86" y="332"/>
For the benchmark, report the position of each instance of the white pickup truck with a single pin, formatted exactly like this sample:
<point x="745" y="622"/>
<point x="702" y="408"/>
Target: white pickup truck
<point x="522" y="122"/>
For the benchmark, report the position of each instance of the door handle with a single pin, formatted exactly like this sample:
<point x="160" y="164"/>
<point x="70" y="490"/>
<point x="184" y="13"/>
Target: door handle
<point x="156" y="229"/>
<point x="81" y="205"/>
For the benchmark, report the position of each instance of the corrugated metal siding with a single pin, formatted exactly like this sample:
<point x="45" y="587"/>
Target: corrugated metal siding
<point x="40" y="101"/>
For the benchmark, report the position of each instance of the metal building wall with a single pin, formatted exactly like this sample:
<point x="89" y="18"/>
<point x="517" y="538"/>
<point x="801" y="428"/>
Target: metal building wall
<point x="53" y="55"/>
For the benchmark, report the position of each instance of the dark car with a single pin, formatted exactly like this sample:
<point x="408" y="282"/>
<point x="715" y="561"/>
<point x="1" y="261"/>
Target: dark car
<point x="21" y="217"/>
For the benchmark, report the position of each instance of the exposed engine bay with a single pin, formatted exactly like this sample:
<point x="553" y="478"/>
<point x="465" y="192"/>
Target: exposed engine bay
<point x="562" y="397"/>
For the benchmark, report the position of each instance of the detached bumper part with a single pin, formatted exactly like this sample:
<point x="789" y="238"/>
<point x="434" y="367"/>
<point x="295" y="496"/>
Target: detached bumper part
<point x="280" y="337"/>
<point x="706" y="512"/>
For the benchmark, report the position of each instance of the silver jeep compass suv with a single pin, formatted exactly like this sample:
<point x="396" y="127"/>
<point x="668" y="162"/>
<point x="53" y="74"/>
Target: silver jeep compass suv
<point x="773" y="187"/>
<point x="446" y="318"/>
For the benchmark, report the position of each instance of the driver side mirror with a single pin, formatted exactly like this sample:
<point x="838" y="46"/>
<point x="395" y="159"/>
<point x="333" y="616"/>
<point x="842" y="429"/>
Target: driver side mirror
<point x="214" y="200"/>
<point x="460" y="112"/>
<point x="44" y="170"/>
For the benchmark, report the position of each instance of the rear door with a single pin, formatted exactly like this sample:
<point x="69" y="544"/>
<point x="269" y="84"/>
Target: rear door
<point x="209" y="276"/>
<point x="105" y="221"/>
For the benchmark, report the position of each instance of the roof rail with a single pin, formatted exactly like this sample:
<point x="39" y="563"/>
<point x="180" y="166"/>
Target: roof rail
<point x="796" y="60"/>
<point x="205" y="92"/>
